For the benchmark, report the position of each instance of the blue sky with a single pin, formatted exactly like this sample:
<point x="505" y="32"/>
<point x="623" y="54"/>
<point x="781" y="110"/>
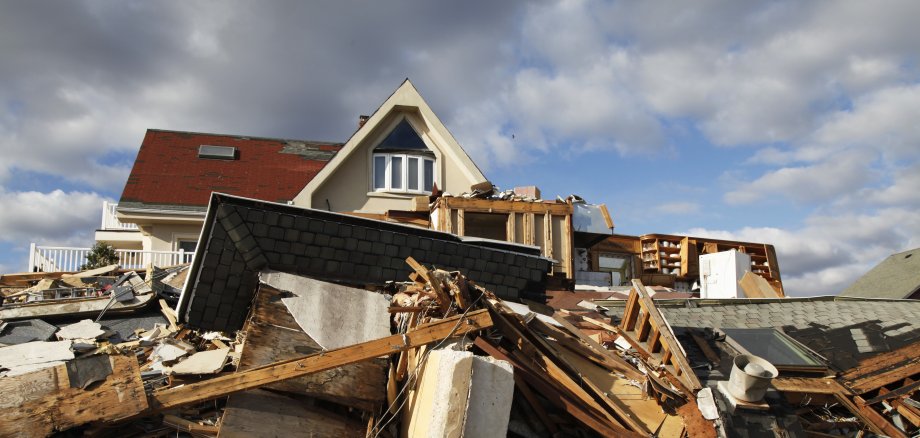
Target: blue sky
<point x="792" y="123"/>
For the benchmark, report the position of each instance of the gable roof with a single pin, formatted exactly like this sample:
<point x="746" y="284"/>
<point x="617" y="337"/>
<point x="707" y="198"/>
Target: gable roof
<point x="169" y="175"/>
<point x="898" y="276"/>
<point x="405" y="98"/>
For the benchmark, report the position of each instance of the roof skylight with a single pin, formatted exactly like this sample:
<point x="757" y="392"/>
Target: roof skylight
<point x="217" y="152"/>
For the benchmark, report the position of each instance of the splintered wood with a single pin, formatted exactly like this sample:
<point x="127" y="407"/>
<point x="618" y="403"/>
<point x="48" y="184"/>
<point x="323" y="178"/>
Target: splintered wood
<point x="450" y="335"/>
<point x="44" y="401"/>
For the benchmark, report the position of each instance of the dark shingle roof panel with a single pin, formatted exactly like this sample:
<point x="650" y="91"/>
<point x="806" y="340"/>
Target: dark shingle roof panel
<point x="169" y="174"/>
<point x="242" y="236"/>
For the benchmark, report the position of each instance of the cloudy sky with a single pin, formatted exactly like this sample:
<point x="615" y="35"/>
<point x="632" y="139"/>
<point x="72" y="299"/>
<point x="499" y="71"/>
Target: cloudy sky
<point x="793" y="123"/>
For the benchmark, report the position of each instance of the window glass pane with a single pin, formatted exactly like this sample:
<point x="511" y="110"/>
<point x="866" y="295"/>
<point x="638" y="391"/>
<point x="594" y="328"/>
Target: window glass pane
<point x="429" y="175"/>
<point x="380" y="172"/>
<point x="396" y="172"/>
<point x="772" y="346"/>
<point x="412" y="174"/>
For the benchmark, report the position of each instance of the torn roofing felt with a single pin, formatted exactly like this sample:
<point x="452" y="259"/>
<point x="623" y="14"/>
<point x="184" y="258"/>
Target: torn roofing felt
<point x="241" y="237"/>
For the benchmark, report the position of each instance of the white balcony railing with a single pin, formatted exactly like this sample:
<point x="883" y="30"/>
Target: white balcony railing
<point x="110" y="220"/>
<point x="69" y="259"/>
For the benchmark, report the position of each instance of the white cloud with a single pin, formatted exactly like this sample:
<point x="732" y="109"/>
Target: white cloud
<point x="830" y="252"/>
<point x="56" y="218"/>
<point x="817" y="182"/>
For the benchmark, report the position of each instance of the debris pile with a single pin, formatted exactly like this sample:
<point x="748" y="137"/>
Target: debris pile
<point x="269" y="340"/>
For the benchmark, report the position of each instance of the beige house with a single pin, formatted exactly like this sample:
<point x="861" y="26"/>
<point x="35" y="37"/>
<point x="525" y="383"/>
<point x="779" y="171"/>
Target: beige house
<point x="398" y="153"/>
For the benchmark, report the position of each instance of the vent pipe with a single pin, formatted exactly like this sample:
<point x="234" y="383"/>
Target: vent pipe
<point x="750" y="377"/>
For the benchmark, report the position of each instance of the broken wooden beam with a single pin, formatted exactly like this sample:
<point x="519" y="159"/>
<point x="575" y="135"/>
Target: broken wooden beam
<point x="53" y="399"/>
<point x="268" y="374"/>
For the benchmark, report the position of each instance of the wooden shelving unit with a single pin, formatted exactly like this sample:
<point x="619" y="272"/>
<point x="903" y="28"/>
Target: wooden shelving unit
<point x="678" y="256"/>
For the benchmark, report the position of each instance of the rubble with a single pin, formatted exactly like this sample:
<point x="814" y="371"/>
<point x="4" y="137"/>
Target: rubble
<point x="283" y="348"/>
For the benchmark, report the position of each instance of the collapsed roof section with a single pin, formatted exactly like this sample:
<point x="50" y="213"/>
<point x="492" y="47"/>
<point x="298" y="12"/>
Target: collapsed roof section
<point x="242" y="236"/>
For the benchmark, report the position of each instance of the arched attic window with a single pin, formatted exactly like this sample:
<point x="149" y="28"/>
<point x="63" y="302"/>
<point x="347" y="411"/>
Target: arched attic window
<point x="403" y="163"/>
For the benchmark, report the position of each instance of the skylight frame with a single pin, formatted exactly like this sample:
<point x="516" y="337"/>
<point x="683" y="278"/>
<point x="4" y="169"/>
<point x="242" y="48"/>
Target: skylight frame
<point x="213" y="152"/>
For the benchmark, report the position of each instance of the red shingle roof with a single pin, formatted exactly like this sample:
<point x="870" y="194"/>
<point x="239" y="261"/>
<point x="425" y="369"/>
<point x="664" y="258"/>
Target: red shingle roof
<point x="169" y="173"/>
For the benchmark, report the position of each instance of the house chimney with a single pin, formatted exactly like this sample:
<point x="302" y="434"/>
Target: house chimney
<point x="362" y="119"/>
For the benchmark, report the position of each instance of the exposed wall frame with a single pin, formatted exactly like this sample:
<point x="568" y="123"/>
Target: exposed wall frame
<point x="539" y="221"/>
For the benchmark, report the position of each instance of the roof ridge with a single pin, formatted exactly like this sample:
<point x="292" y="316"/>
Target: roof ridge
<point x="247" y="137"/>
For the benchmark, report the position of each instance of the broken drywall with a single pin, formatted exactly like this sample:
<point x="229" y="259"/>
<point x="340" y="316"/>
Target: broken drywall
<point x="31" y="356"/>
<point x="314" y="304"/>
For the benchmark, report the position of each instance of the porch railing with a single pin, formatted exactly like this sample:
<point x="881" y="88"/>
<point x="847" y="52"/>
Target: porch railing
<point x="110" y="220"/>
<point x="70" y="259"/>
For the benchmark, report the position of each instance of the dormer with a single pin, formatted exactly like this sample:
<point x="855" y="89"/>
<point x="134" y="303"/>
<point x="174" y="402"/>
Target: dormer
<point x="398" y="153"/>
<point x="403" y="163"/>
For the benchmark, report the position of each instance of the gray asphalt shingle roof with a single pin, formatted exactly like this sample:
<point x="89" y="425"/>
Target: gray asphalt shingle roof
<point x="898" y="276"/>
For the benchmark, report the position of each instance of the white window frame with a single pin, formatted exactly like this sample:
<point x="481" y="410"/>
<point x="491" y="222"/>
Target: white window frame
<point x="388" y="180"/>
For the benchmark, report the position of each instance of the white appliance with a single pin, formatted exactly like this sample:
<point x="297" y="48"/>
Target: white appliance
<point x="720" y="273"/>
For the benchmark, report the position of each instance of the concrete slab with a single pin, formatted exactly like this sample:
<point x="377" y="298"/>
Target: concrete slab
<point x="85" y="329"/>
<point x="333" y="315"/>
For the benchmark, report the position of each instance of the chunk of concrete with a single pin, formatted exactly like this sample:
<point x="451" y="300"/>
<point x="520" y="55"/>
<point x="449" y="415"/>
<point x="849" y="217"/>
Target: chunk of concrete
<point x="333" y="315"/>
<point x="31" y="356"/>
<point x="460" y="394"/>
<point x="203" y="362"/>
<point x="85" y="329"/>
<point x="491" y="393"/>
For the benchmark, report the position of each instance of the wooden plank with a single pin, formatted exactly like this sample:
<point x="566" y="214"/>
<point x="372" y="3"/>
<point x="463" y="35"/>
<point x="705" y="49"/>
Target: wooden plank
<point x="883" y="369"/>
<point x="548" y="235"/>
<point x="808" y="385"/>
<point x="529" y="238"/>
<point x="442" y="296"/>
<point x="169" y="314"/>
<point x="190" y="427"/>
<point x="92" y="272"/>
<point x="620" y="363"/>
<point x="461" y="223"/>
<point x="501" y="206"/>
<point x="42" y="402"/>
<point x="510" y="230"/>
<point x="904" y="391"/>
<point x="535" y="404"/>
<point x="606" y="214"/>
<point x="420" y="203"/>
<point x="596" y="322"/>
<point x="561" y="400"/>
<point x="568" y="237"/>
<point x="641" y="413"/>
<point x="755" y="286"/>
<point x="909" y="412"/>
<point x="876" y="421"/>
<point x="265" y="375"/>
<point x="24" y="278"/>
<point x="536" y="350"/>
<point x="273" y="335"/>
<point x="710" y="354"/>
<point x="631" y="314"/>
